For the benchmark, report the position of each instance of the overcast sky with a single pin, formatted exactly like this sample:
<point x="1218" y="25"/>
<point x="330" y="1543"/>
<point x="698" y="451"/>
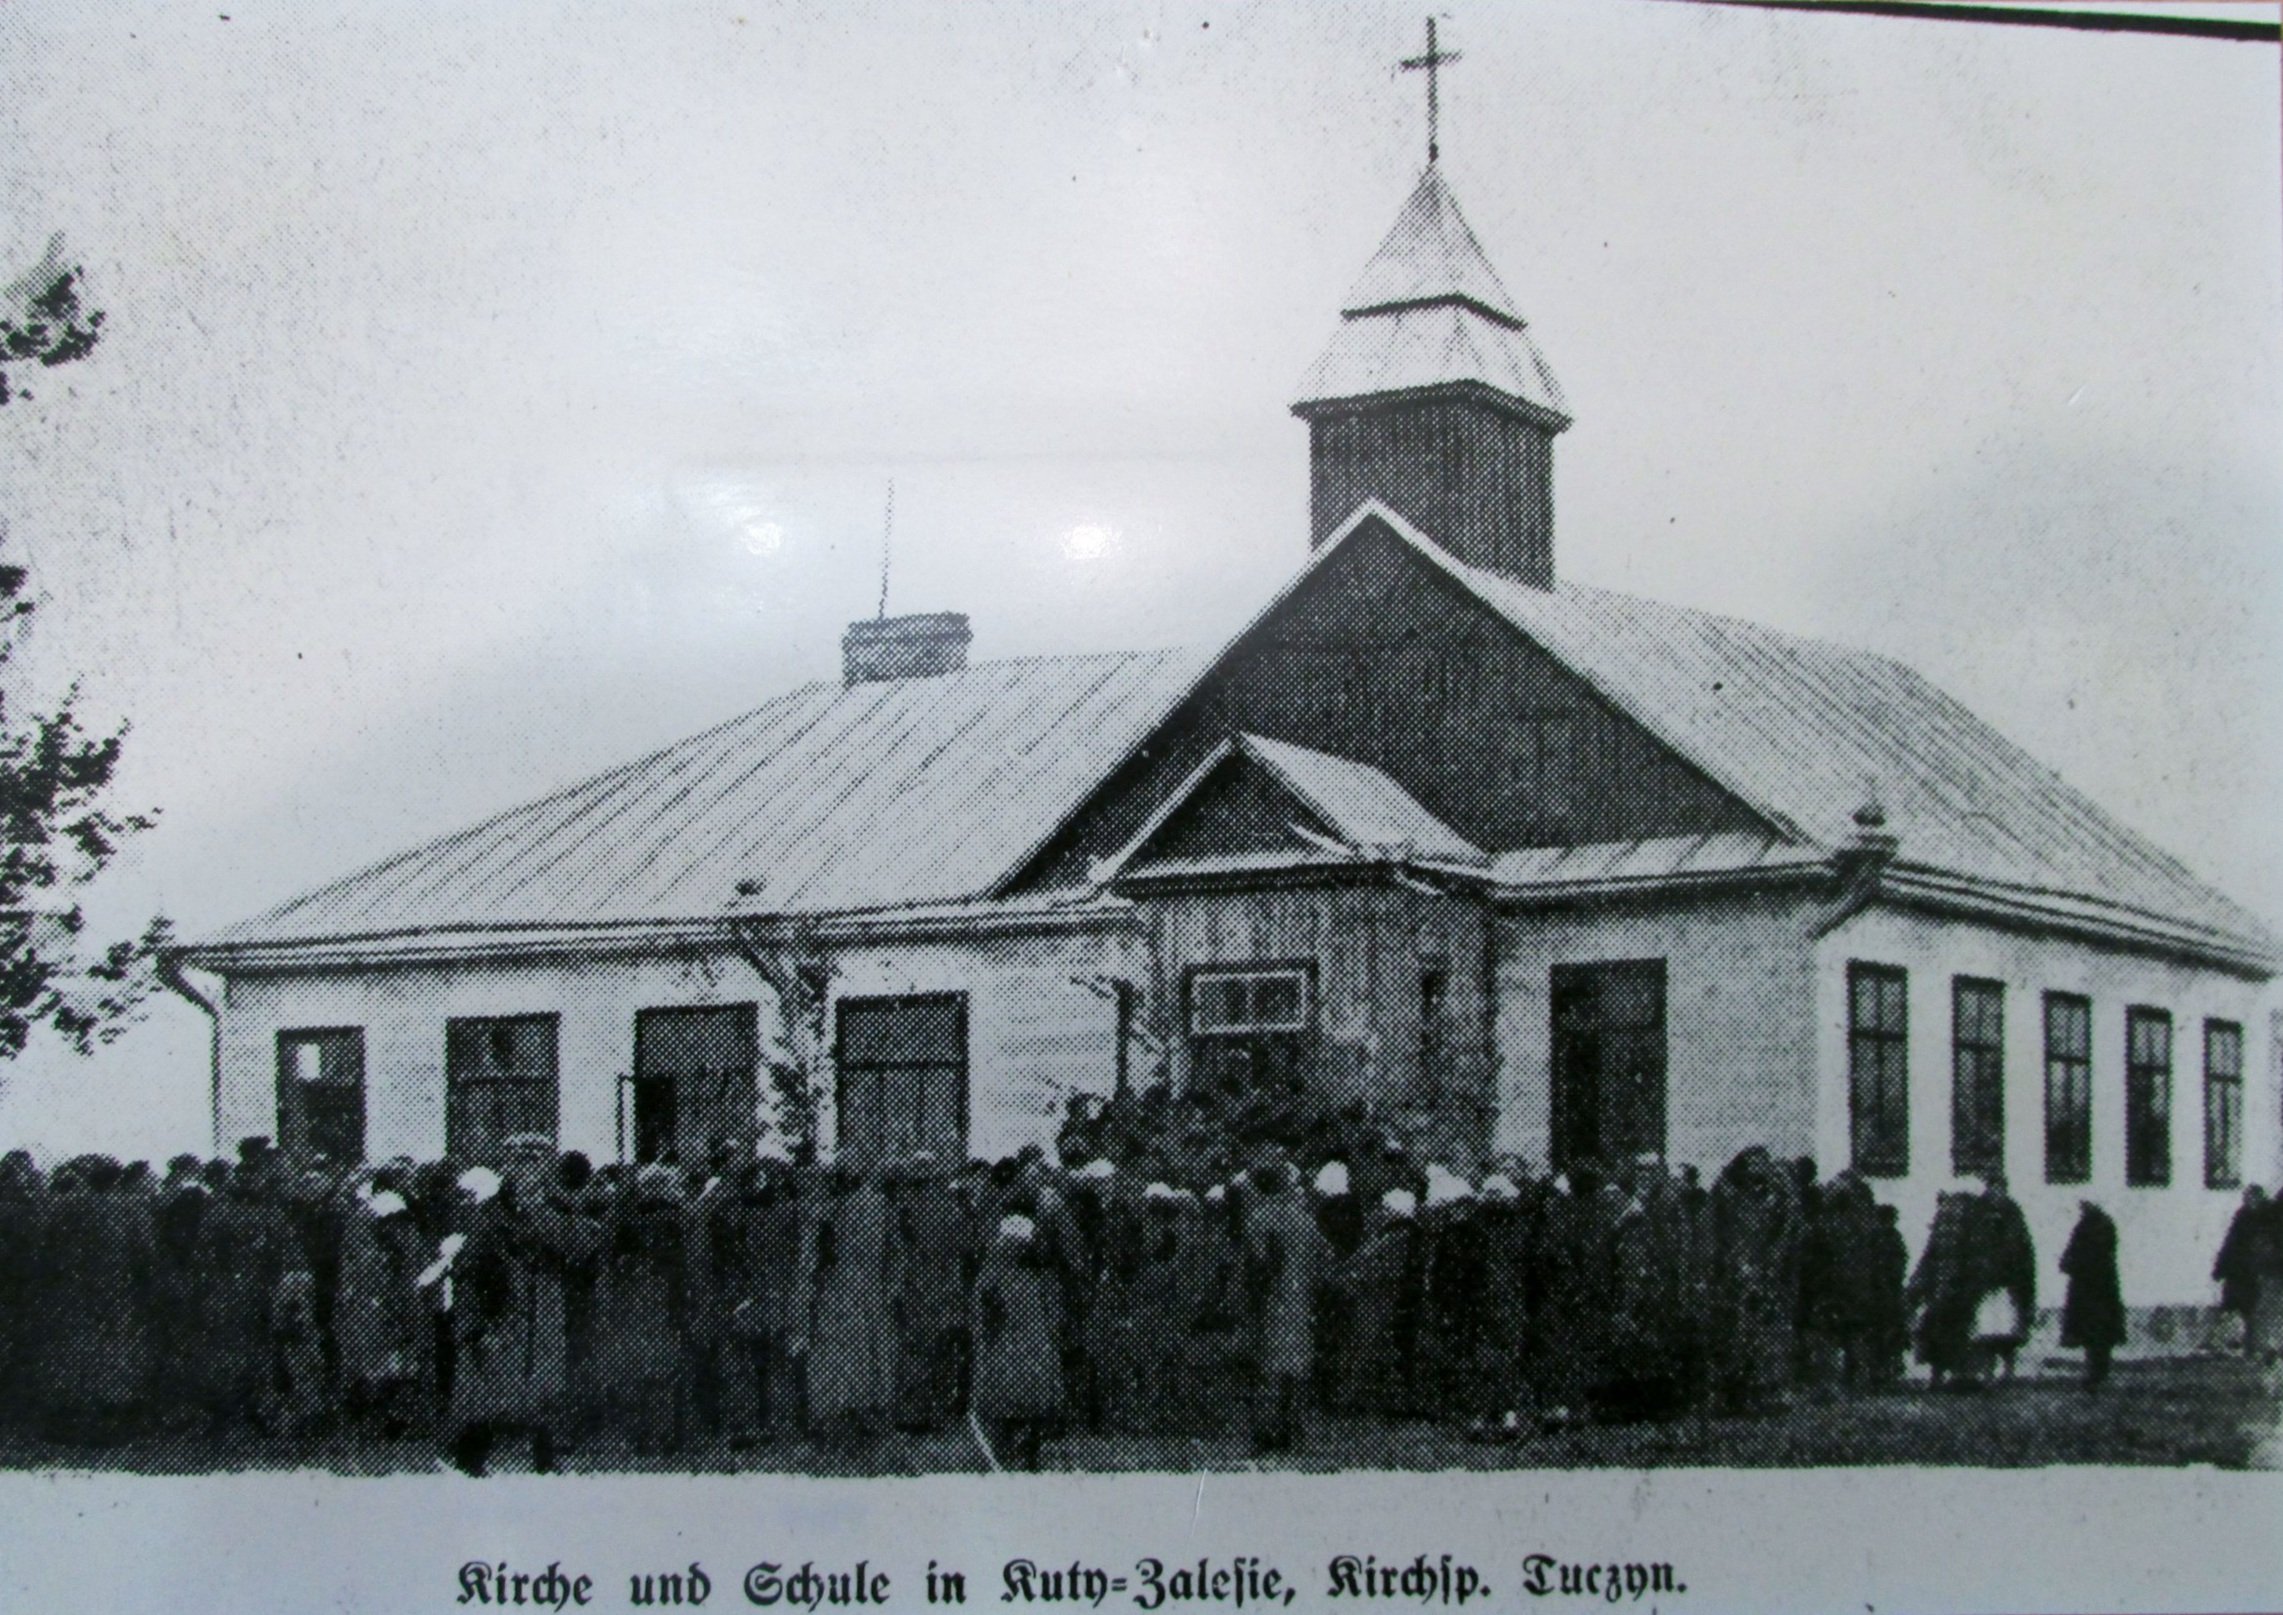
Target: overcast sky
<point x="494" y="392"/>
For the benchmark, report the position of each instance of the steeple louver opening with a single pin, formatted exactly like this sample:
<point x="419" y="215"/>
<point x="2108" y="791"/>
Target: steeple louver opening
<point x="1433" y="399"/>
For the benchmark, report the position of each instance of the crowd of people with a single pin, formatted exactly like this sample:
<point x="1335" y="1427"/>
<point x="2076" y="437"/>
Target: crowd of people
<point x="1141" y="1278"/>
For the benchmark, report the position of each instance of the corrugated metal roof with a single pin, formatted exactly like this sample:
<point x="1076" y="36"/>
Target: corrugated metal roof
<point x="935" y="790"/>
<point x="903" y="791"/>
<point x="1429" y="253"/>
<point x="1365" y="808"/>
<point x="1661" y="858"/>
<point x="1430" y="347"/>
<point x="1430" y="311"/>
<point x="1809" y="732"/>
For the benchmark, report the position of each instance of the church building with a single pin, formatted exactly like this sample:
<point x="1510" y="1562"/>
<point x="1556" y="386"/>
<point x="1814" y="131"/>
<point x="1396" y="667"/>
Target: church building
<point x="1517" y="863"/>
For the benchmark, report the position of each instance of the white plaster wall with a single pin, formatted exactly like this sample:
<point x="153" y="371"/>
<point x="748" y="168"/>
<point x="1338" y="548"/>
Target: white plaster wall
<point x="2168" y="1235"/>
<point x="1738" y="987"/>
<point x="1034" y="1034"/>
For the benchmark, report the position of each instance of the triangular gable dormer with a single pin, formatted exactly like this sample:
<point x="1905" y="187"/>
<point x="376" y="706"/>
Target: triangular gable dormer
<point x="1258" y="805"/>
<point x="1383" y="653"/>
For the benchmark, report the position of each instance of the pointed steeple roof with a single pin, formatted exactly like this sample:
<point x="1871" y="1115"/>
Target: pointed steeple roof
<point x="1429" y="311"/>
<point x="1430" y="256"/>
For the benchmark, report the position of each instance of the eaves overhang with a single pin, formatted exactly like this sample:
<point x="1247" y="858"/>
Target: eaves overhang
<point x="1047" y="913"/>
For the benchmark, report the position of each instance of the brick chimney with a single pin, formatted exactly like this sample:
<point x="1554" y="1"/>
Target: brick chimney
<point x="925" y="645"/>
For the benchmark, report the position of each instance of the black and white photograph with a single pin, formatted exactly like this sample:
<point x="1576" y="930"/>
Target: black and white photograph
<point x="798" y="743"/>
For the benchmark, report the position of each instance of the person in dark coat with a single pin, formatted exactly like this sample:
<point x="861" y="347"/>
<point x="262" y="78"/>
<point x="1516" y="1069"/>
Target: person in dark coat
<point x="1171" y="1290"/>
<point x="642" y="1321"/>
<point x="1645" y="1361"/>
<point x="579" y="1195"/>
<point x="1452" y="1291"/>
<point x="244" y="1247"/>
<point x="297" y="1347"/>
<point x="94" y="1289"/>
<point x="2004" y="1262"/>
<point x="513" y="1372"/>
<point x="1941" y="1295"/>
<point x="379" y="1317"/>
<point x="1112" y="1345"/>
<point x="929" y="1258"/>
<point x="176" y="1212"/>
<point x="317" y="1203"/>
<point x="1756" y="1234"/>
<point x="729" y="1299"/>
<point x="1214" y="1275"/>
<point x="1340" y="1219"/>
<point x="1285" y="1260"/>
<point x="1019" y="1392"/>
<point x="2264" y="1338"/>
<point x="2236" y="1266"/>
<point x="1890" y="1274"/>
<point x="1571" y="1284"/>
<point x="1844" y="1280"/>
<point x="713" y="1257"/>
<point x="1499" y="1394"/>
<point x="2092" y="1313"/>
<point x="1379" y="1295"/>
<point x="23" y="1203"/>
<point x="1340" y="1211"/>
<point x="441" y="1212"/>
<point x="776" y="1319"/>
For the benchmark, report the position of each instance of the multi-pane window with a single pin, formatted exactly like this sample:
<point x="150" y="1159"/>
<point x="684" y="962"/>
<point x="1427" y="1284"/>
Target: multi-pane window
<point x="2148" y="1097"/>
<point x="2068" y="1088"/>
<point x="321" y="1093"/>
<point x="500" y="1082"/>
<point x="1242" y="1003"/>
<point x="1977" y="1076"/>
<point x="1878" y="1068"/>
<point x="902" y="1065"/>
<point x="2223" y="1105"/>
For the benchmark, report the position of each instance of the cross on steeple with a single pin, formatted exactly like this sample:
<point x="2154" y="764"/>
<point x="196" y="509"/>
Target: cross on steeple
<point x="1432" y="62"/>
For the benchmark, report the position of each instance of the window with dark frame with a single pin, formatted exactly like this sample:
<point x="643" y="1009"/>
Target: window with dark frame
<point x="2223" y="1105"/>
<point x="1249" y="1026"/>
<point x="2068" y="1088"/>
<point x="501" y="1080"/>
<point x="1878" y="1068"/>
<point x="2148" y="1097"/>
<point x="1977" y="1076"/>
<point x="1243" y="1003"/>
<point x="321" y="1093"/>
<point x="901" y="1069"/>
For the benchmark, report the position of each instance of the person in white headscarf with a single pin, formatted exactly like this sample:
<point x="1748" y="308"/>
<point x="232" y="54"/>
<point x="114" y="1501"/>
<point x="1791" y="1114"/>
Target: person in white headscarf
<point x="512" y="1376"/>
<point x="378" y="1317"/>
<point x="1339" y="1210"/>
